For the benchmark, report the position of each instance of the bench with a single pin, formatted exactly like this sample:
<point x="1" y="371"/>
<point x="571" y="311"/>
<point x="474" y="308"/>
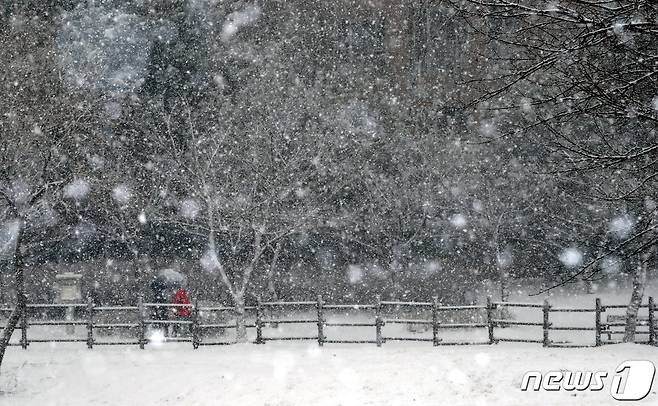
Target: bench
<point x="619" y="320"/>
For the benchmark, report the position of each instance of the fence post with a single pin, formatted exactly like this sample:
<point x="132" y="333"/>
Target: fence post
<point x="652" y="322"/>
<point x="319" y="305"/>
<point x="259" y="322"/>
<point x="195" y="324"/>
<point x="24" y="324"/>
<point x="490" y="323"/>
<point x="597" y="321"/>
<point x="546" y="309"/>
<point x="435" y="321"/>
<point x="90" y="322"/>
<point x="142" y="325"/>
<point x="378" y="321"/>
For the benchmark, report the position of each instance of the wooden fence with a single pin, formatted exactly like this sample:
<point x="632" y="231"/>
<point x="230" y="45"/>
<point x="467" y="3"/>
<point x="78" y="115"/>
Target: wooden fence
<point x="611" y="326"/>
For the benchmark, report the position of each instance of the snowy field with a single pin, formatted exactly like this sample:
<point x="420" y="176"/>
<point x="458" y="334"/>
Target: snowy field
<point x="280" y="374"/>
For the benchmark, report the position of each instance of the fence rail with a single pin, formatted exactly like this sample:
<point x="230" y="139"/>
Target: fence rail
<point x="611" y="325"/>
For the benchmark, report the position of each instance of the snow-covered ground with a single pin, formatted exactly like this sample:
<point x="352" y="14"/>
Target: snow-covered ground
<point x="302" y="374"/>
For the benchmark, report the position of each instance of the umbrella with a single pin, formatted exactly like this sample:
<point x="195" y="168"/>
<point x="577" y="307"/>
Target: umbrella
<point x="170" y="278"/>
<point x="164" y="282"/>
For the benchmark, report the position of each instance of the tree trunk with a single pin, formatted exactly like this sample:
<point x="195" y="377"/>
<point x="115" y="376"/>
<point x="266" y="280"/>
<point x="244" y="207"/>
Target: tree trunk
<point x="274" y="297"/>
<point x="9" y="330"/>
<point x="2" y="289"/>
<point x="240" y="319"/>
<point x="396" y="268"/>
<point x="236" y="290"/>
<point x="503" y="278"/>
<point x="502" y="264"/>
<point x="271" y="272"/>
<point x="639" y="282"/>
<point x="504" y="285"/>
<point x="21" y="300"/>
<point x="271" y="291"/>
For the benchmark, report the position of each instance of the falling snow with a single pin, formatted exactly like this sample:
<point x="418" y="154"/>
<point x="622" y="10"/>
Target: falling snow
<point x="571" y="257"/>
<point x="197" y="161"/>
<point x="78" y="189"/>
<point x="621" y="226"/>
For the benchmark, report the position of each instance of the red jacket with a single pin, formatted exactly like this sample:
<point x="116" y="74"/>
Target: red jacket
<point x="181" y="297"/>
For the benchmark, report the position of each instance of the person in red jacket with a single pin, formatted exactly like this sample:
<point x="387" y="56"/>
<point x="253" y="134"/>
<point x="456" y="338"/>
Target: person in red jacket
<point x="181" y="313"/>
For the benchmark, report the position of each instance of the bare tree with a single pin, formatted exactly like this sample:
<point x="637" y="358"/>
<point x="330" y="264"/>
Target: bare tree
<point x="243" y="189"/>
<point x="584" y="75"/>
<point x="41" y="128"/>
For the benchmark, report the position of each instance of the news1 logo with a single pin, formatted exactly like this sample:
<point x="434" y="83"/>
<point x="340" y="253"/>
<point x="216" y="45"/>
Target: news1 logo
<point x="632" y="380"/>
